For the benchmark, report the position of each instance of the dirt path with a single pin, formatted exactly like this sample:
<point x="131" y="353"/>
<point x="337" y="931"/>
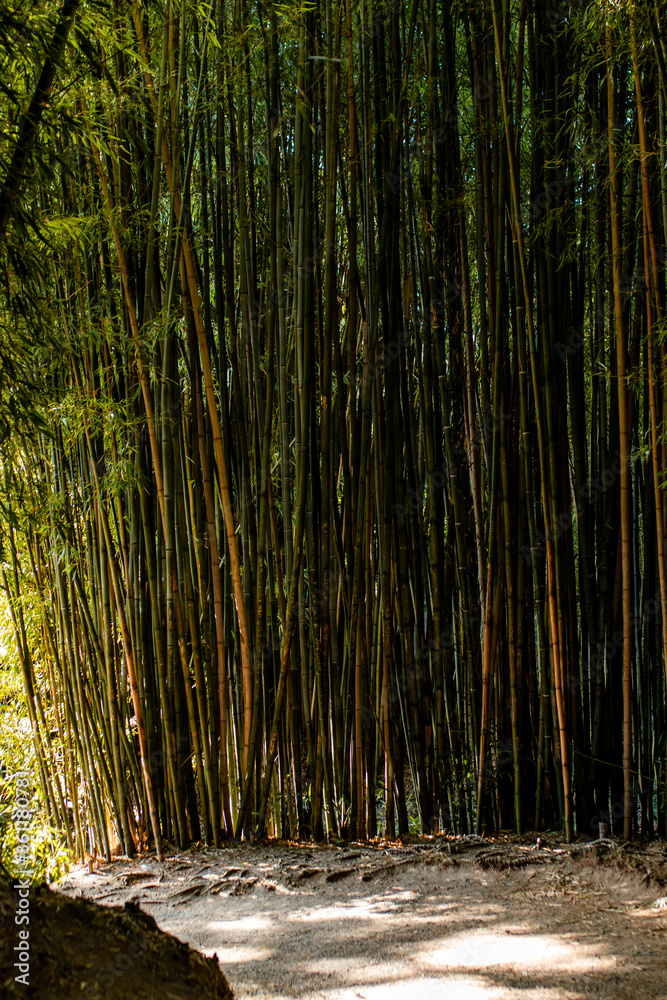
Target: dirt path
<point x="435" y="921"/>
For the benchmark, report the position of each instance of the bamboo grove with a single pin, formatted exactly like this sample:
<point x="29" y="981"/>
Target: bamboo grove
<point x="344" y="514"/>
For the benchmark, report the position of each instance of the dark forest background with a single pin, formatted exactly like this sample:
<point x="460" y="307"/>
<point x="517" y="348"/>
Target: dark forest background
<point x="332" y="400"/>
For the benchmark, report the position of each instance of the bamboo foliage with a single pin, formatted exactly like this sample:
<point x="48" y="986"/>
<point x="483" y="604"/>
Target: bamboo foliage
<point x="344" y="515"/>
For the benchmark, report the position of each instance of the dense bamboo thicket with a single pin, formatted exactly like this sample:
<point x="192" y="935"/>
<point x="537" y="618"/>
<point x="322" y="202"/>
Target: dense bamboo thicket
<point x="344" y="511"/>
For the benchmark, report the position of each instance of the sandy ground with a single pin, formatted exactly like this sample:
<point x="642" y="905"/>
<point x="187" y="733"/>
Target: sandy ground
<point x="440" y="920"/>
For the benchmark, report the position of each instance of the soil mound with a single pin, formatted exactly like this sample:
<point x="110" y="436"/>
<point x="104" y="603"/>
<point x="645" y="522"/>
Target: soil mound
<point x="80" y="949"/>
